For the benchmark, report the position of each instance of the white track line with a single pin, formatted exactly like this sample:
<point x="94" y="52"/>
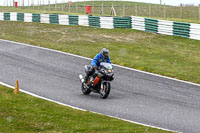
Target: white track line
<point x="35" y="95"/>
<point x="157" y="75"/>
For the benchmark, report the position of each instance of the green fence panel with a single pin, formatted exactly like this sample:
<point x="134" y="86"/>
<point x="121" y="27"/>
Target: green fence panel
<point x="54" y="19"/>
<point x="94" y="21"/>
<point x="73" y="20"/>
<point x="20" y="16"/>
<point x="7" y="16"/>
<point x="151" y="25"/>
<point x="36" y="17"/>
<point x="122" y="22"/>
<point x="181" y="29"/>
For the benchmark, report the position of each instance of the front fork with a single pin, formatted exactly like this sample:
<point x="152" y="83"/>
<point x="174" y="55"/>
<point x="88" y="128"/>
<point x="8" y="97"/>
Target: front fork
<point x="104" y="84"/>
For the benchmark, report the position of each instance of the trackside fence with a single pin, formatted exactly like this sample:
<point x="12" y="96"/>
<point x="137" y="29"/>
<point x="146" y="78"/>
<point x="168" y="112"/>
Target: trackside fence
<point x="187" y="30"/>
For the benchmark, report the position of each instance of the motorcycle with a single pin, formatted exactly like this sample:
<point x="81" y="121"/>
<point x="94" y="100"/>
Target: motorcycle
<point x="99" y="82"/>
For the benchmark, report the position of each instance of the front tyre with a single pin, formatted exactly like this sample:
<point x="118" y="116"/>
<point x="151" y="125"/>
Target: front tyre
<point x="105" y="90"/>
<point x="85" y="90"/>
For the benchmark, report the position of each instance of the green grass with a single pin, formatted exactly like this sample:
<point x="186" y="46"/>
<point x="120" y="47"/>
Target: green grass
<point x="22" y="113"/>
<point x="165" y="55"/>
<point x="189" y="13"/>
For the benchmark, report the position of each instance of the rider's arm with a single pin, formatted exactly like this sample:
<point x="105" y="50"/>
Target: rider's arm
<point x="94" y="61"/>
<point x="108" y="61"/>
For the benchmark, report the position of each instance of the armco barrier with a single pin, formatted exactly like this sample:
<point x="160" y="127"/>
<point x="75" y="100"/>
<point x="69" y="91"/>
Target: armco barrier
<point x="63" y="19"/>
<point x="181" y="29"/>
<point x="54" y="19"/>
<point x="106" y="22"/>
<point x="28" y="17"/>
<point x="188" y="30"/>
<point x="20" y="16"/>
<point x="7" y="16"/>
<point x="36" y="17"/>
<point x="151" y="25"/>
<point x="165" y="27"/>
<point x="83" y="20"/>
<point x="94" y="21"/>
<point x="122" y="22"/>
<point x="73" y="20"/>
<point x="44" y="18"/>
<point x="13" y="16"/>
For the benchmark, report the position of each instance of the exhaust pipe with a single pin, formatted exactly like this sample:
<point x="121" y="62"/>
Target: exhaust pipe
<point x="81" y="78"/>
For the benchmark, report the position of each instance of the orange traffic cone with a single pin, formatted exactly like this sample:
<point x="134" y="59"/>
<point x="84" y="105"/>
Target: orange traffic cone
<point x="16" y="90"/>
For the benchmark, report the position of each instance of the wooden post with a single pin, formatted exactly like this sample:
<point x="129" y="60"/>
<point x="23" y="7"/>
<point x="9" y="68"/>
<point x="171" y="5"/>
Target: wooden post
<point x="76" y="8"/>
<point x="199" y="12"/>
<point x="136" y="10"/>
<point x="93" y="8"/>
<point x="84" y="8"/>
<point x="123" y="10"/>
<point x="62" y="7"/>
<point x="102" y="12"/>
<point x="43" y="5"/>
<point x="164" y="11"/>
<point x="38" y="4"/>
<point x="149" y="10"/>
<point x="49" y="4"/>
<point x="55" y="4"/>
<point x="180" y="11"/>
<point x="69" y="8"/>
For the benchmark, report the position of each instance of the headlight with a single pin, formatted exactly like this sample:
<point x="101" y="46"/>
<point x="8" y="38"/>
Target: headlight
<point x="109" y="71"/>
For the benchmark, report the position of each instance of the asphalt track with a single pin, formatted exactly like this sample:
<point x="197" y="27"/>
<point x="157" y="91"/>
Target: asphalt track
<point x="135" y="96"/>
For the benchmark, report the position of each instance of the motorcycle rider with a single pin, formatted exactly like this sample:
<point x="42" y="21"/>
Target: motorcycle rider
<point x="103" y="56"/>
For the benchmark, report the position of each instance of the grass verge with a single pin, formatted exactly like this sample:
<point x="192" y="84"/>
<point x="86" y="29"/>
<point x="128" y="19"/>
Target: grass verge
<point x="165" y="55"/>
<point x="23" y="113"/>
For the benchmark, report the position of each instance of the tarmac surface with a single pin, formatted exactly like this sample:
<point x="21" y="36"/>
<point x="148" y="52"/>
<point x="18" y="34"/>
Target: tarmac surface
<point x="134" y="96"/>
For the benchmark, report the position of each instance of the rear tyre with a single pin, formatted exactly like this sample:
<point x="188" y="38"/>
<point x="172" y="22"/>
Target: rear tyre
<point x="85" y="90"/>
<point x="105" y="91"/>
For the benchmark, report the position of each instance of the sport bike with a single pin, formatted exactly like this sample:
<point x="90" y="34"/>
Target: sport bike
<point x="99" y="82"/>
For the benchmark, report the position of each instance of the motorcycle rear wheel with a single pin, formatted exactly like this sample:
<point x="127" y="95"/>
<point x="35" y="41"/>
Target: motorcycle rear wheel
<point x="85" y="90"/>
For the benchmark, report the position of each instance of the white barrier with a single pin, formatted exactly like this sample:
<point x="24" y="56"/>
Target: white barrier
<point x="1" y="16"/>
<point x="27" y="17"/>
<point x="106" y="22"/>
<point x="165" y="27"/>
<point x="44" y="18"/>
<point x="13" y="16"/>
<point x="195" y="31"/>
<point x="83" y="20"/>
<point x="63" y="19"/>
<point x="138" y="23"/>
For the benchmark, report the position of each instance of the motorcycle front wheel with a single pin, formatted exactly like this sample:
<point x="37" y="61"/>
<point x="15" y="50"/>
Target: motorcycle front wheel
<point x="105" y="90"/>
<point x="85" y="90"/>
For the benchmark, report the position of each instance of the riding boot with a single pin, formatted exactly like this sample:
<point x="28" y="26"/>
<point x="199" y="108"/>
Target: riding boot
<point x="86" y="79"/>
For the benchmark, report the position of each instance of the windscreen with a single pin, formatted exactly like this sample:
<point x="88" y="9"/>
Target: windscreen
<point x="106" y="65"/>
